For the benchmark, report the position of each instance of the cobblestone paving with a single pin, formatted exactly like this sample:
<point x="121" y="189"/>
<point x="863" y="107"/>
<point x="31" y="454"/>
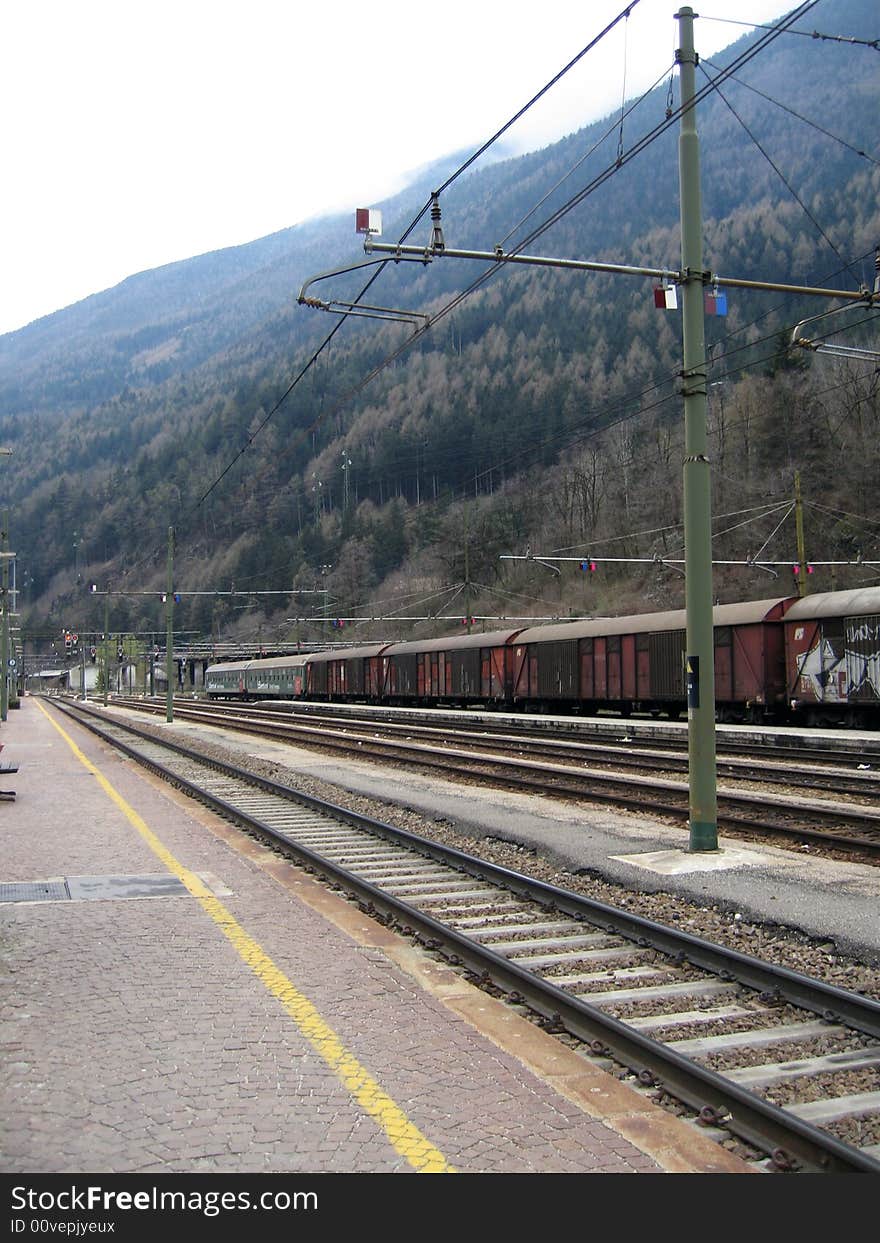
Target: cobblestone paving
<point x="136" y="1039"/>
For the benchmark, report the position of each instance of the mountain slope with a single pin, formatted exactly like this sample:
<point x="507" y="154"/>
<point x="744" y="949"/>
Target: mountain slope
<point x="125" y="408"/>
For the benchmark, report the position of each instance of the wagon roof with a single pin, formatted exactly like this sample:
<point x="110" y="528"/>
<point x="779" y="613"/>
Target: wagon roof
<point x="346" y="653"/>
<point x="676" y="619"/>
<point x="275" y="662"/>
<point x="453" y="642"/>
<point x="229" y="666"/>
<point x="855" y="603"/>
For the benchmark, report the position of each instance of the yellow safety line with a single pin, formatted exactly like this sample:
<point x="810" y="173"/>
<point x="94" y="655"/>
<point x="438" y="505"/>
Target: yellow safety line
<point x="404" y="1136"/>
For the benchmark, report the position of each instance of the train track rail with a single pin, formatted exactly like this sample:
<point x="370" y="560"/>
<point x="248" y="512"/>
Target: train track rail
<point x="810" y="769"/>
<point x="617" y="733"/>
<point x="573" y="773"/>
<point x="787" y="1064"/>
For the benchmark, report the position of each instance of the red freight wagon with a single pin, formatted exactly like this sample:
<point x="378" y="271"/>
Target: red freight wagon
<point x="470" y="668"/>
<point x="352" y="673"/>
<point x="832" y="653"/>
<point x="639" y="661"/>
<point x="749" y="659"/>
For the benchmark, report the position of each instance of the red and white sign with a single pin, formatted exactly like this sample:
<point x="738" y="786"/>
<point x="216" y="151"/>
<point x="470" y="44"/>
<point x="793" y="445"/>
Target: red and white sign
<point x="368" y="220"/>
<point x="665" y="297"/>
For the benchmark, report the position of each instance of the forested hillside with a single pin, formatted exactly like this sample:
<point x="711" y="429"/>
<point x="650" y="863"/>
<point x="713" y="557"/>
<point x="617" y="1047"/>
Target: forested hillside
<point x="542" y="413"/>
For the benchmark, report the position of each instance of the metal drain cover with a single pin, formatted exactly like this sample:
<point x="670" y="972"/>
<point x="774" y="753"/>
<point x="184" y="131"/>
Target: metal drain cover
<point x="154" y="885"/>
<point x="34" y="891"/>
<point x="93" y="888"/>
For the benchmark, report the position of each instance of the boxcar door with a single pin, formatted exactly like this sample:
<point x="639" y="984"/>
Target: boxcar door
<point x="628" y="667"/>
<point x="520" y="673"/>
<point x="863" y="658"/>
<point x="724" y="662"/>
<point x="587" y="688"/>
<point x="600" y="668"/>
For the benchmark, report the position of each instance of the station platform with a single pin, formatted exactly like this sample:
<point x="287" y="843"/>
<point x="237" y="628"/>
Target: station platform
<point x="177" y="1000"/>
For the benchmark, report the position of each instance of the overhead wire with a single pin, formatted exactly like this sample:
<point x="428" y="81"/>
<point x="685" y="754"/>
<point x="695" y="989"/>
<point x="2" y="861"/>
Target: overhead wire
<point x="601" y="420"/>
<point x="580" y="162"/>
<point x="406" y="345"/>
<point x="776" y="169"/>
<point x="806" y="34"/>
<point x="774" y="32"/>
<point x="600" y="179"/>
<point x="449" y="181"/>
<point x="798" y="116"/>
<point x="742" y="60"/>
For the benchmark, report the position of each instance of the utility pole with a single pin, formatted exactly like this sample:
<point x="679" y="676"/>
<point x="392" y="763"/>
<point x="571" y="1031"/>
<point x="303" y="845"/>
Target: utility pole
<point x="169" y="629"/>
<point x="700" y="655"/>
<point x="325" y="570"/>
<point x="346" y="467"/>
<point x="802" y="586"/>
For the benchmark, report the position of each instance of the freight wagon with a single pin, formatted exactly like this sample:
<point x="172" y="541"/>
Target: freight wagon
<point x="815" y="660"/>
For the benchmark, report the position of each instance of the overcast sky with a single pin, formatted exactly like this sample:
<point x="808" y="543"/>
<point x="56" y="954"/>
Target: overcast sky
<point x="135" y="134"/>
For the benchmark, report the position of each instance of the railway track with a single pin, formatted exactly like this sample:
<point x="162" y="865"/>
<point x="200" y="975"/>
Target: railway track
<point x="787" y="1064"/>
<point x="809" y="769"/>
<point x="616" y="733"/>
<point x="573" y="772"/>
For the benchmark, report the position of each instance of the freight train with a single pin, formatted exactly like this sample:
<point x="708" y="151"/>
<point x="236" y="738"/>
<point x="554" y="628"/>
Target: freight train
<point x="813" y="661"/>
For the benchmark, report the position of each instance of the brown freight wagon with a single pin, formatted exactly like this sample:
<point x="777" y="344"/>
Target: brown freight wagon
<point x="460" y="669"/>
<point x="638" y="662"/>
<point x="352" y="673"/>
